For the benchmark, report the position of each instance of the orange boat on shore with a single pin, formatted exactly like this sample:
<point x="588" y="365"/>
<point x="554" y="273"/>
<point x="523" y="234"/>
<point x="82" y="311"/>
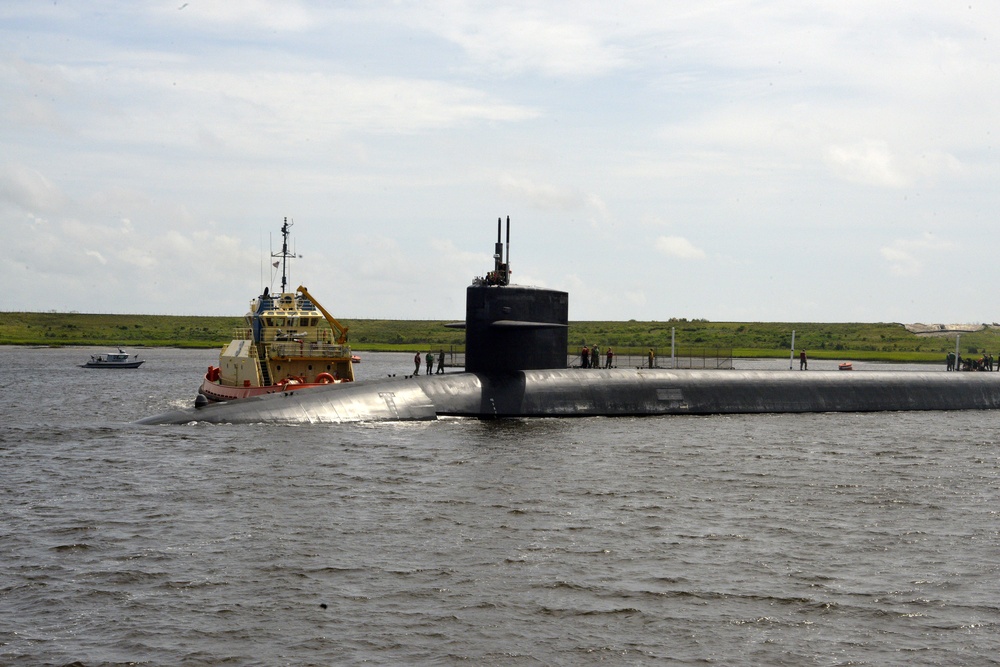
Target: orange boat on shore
<point x="290" y="342"/>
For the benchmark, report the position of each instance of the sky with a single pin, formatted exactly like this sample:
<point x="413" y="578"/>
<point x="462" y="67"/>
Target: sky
<point x="737" y="160"/>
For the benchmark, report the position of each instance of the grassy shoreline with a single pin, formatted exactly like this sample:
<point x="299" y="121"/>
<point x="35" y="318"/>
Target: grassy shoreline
<point x="854" y="341"/>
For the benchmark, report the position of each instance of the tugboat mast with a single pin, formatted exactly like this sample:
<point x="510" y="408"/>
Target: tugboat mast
<point x="284" y="255"/>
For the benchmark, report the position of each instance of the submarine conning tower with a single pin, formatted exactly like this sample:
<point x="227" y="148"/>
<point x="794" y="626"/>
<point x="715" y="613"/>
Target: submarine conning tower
<point x="510" y="327"/>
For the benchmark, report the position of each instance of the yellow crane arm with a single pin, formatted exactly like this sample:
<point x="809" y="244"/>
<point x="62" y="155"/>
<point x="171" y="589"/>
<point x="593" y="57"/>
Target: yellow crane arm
<point x="337" y="326"/>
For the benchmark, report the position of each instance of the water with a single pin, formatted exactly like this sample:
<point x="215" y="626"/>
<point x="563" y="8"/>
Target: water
<point x="826" y="539"/>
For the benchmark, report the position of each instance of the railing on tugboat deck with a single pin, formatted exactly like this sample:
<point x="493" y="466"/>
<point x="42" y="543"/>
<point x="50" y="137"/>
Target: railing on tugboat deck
<point x="291" y="336"/>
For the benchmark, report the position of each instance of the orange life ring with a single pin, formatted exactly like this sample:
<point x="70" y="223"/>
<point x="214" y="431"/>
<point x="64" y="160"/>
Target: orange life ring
<point x="325" y="378"/>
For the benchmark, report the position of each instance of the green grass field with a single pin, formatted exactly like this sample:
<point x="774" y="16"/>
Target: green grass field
<point x="857" y="341"/>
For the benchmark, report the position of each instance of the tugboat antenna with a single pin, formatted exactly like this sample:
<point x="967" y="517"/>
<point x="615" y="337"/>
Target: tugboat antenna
<point x="284" y="254"/>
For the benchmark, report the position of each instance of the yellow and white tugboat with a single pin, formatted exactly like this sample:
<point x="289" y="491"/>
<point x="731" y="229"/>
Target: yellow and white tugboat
<point x="289" y="342"/>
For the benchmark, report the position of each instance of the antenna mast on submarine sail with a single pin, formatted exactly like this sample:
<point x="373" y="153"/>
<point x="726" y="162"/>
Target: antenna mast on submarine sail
<point x="500" y="275"/>
<point x="498" y="255"/>
<point x="506" y="264"/>
<point x="501" y="267"/>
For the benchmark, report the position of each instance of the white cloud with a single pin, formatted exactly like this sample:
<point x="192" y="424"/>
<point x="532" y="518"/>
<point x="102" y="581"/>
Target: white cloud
<point x="543" y="196"/>
<point x="873" y="162"/>
<point x="28" y="189"/>
<point x="265" y="112"/>
<point x="868" y="162"/>
<point x="907" y="257"/>
<point x="676" y="246"/>
<point x="96" y="255"/>
<point x="287" y="15"/>
<point x="519" y="38"/>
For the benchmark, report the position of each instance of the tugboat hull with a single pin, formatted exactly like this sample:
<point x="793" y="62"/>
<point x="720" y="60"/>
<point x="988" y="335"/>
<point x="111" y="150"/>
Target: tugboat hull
<point x="218" y="392"/>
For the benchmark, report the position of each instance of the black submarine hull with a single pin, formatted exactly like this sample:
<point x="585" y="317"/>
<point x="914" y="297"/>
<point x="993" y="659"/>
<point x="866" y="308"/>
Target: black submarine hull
<point x="611" y="392"/>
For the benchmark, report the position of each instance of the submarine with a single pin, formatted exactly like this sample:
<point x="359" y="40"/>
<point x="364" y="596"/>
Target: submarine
<point x="516" y="341"/>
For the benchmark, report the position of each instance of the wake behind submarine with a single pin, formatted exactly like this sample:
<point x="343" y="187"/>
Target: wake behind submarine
<point x="516" y="341"/>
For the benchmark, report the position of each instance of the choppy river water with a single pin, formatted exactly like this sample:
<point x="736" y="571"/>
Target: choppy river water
<point x="816" y="539"/>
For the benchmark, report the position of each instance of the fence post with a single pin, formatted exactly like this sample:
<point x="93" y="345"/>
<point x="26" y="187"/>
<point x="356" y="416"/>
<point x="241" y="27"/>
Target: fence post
<point x="791" y="354"/>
